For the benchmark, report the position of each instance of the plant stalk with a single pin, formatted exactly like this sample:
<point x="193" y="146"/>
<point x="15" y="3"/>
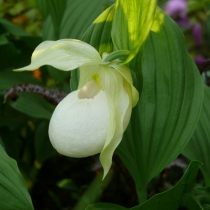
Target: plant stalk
<point x="142" y="195"/>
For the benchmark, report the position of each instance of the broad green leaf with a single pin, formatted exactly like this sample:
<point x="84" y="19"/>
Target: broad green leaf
<point x="43" y="8"/>
<point x="11" y="28"/>
<point x="199" y="146"/>
<point x="55" y="10"/>
<point x="170" y="103"/>
<point x="172" y="198"/>
<point x="105" y="206"/>
<point x="197" y="199"/>
<point x="132" y="22"/>
<point x="76" y="18"/>
<point x="43" y="147"/>
<point x="34" y="105"/>
<point x="13" y="190"/>
<point x="8" y="79"/>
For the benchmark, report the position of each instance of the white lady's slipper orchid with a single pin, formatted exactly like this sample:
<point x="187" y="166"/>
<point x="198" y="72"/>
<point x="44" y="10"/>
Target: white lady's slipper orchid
<point x="93" y="118"/>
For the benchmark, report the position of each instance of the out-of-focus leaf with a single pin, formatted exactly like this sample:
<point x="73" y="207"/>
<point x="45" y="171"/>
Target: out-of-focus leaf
<point x="68" y="184"/>
<point x="2" y="143"/>
<point x="10" y="137"/>
<point x="43" y="7"/>
<point x="43" y="147"/>
<point x="105" y="206"/>
<point x="8" y="79"/>
<point x="12" y="29"/>
<point x="93" y="191"/>
<point x="199" y="146"/>
<point x="172" y="199"/>
<point x="34" y="106"/>
<point x="170" y="103"/>
<point x="13" y="194"/>
<point x="10" y="55"/>
<point x="197" y="199"/>
<point x="3" y="39"/>
<point x="54" y="10"/>
<point x="132" y="22"/>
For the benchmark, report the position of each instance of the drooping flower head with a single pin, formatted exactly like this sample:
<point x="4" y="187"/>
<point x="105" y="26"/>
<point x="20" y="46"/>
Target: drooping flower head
<point x="93" y="118"/>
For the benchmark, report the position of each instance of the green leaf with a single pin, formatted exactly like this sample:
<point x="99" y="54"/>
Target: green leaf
<point x="34" y="106"/>
<point x="76" y="18"/>
<point x="68" y="184"/>
<point x="13" y="190"/>
<point x="199" y="146"/>
<point x="105" y="206"/>
<point x="172" y="199"/>
<point x="170" y="103"/>
<point x="132" y="22"/>
<point x="43" y="147"/>
<point x="12" y="29"/>
<point x="8" y="79"/>
<point x="197" y="199"/>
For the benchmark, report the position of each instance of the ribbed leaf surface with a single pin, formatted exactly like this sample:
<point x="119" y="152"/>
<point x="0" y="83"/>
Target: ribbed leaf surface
<point x="34" y="106"/>
<point x="198" y="147"/>
<point x="13" y="194"/>
<point x="171" y="99"/>
<point x="132" y="22"/>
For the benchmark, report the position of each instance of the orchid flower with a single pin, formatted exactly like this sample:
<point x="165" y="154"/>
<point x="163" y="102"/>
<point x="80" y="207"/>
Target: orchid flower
<point x="93" y="118"/>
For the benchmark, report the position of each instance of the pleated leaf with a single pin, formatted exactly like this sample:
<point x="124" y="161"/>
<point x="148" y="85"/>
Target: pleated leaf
<point x="198" y="147"/>
<point x="197" y="199"/>
<point x="13" y="190"/>
<point x="105" y="206"/>
<point x="172" y="198"/>
<point x="170" y="102"/>
<point x="34" y="105"/>
<point x="75" y="18"/>
<point x="132" y="23"/>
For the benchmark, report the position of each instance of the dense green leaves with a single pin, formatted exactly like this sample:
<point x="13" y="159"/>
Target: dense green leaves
<point x="74" y="18"/>
<point x="105" y="206"/>
<point x="172" y="198"/>
<point x="199" y="146"/>
<point x="34" y="106"/>
<point x="132" y="22"/>
<point x="12" y="186"/>
<point x="170" y="102"/>
<point x="197" y="199"/>
<point x="43" y="147"/>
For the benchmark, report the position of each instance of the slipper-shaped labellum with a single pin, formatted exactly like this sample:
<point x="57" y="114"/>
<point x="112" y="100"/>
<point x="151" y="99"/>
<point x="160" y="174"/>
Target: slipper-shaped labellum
<point x="91" y="119"/>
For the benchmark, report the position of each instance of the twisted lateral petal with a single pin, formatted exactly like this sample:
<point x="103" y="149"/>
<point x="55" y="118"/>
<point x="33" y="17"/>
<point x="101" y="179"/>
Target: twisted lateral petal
<point x="64" y="54"/>
<point x="125" y="72"/>
<point x="79" y="125"/>
<point x="119" y="103"/>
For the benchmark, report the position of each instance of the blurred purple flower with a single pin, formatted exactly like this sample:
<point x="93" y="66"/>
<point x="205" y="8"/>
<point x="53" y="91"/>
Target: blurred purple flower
<point x="199" y="59"/>
<point x="184" y="22"/>
<point x="197" y="34"/>
<point x="176" y="8"/>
